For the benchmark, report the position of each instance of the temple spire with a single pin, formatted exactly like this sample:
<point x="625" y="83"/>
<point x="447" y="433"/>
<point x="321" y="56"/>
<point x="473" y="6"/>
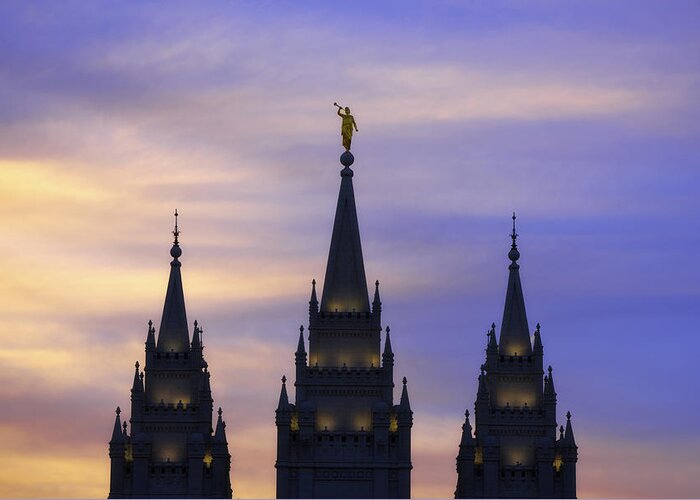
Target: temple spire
<point x="467" y="438"/>
<point x="549" y="386"/>
<point x="150" y="336"/>
<point x="220" y="432"/>
<point x="117" y="436"/>
<point x="388" y="355"/>
<point x="283" y="403"/>
<point x="483" y="390"/>
<point x="137" y="386"/>
<point x="196" y="336"/>
<point x="313" y="301"/>
<point x="300" y="355"/>
<point x="569" y="432"/>
<point x="404" y="404"/>
<point x="515" y="333"/>
<point x="345" y="284"/>
<point x="492" y="345"/>
<point x="173" y="334"/>
<point x="377" y="302"/>
<point x="537" y="343"/>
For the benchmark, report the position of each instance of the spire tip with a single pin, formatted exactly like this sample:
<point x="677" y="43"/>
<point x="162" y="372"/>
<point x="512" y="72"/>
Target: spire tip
<point x="514" y="254"/>
<point x="176" y="231"/>
<point x="176" y="251"/>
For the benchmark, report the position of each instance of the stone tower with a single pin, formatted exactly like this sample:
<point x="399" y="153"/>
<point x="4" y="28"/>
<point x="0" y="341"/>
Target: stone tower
<point x="344" y="437"/>
<point x="515" y="452"/>
<point x="172" y="450"/>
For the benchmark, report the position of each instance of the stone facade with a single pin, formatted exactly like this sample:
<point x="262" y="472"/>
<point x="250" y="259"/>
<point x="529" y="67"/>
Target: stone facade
<point x="344" y="437"/>
<point x="172" y="450"/>
<point x="515" y="452"/>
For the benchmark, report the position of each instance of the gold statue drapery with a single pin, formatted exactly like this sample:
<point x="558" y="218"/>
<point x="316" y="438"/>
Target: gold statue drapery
<point x="347" y="126"/>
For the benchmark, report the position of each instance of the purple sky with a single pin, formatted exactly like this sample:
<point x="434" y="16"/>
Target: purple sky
<point x="581" y="116"/>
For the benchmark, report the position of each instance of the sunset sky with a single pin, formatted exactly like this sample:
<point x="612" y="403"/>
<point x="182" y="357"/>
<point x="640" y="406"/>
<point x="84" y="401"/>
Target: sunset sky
<point x="581" y="116"/>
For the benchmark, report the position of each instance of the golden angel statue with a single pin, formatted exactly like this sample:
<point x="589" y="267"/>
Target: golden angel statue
<point x="347" y="126"/>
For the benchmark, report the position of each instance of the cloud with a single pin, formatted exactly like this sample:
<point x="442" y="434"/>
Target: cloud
<point x="115" y="117"/>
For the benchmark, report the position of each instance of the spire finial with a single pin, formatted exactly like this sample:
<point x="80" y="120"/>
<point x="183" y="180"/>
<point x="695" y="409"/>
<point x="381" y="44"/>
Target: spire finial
<point x="313" y="301"/>
<point x="137" y="365"/>
<point x="118" y="411"/>
<point x="405" y="381"/>
<point x="301" y="329"/>
<point x="284" y="379"/>
<point x="549" y="369"/>
<point x="124" y="426"/>
<point x="561" y="432"/>
<point x="568" y="415"/>
<point x="220" y="411"/>
<point x="176" y="231"/>
<point x="376" y="302"/>
<point x="176" y="251"/>
<point x="514" y="254"/>
<point x="388" y="354"/>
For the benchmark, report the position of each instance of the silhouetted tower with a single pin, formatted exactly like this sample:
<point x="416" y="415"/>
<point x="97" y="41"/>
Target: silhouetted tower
<point x="344" y="437"/>
<point x="172" y="450"/>
<point x="515" y="452"/>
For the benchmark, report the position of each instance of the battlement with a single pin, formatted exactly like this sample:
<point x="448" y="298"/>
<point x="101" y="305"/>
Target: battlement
<point x="162" y="407"/>
<point x="529" y="360"/>
<point x="516" y="411"/>
<point x="167" y="358"/>
<point x="353" y="320"/>
<point x="173" y="413"/>
<point x="333" y="374"/>
<point x="344" y="445"/>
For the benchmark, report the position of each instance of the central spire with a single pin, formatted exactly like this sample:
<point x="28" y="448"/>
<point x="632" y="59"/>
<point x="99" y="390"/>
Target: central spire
<point x="345" y="286"/>
<point x="515" y="333"/>
<point x="173" y="334"/>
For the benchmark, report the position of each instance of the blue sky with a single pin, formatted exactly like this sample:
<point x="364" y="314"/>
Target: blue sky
<point x="581" y="116"/>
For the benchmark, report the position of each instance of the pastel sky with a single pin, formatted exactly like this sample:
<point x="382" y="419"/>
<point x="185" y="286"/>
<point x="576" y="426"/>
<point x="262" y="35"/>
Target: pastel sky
<point x="581" y="116"/>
